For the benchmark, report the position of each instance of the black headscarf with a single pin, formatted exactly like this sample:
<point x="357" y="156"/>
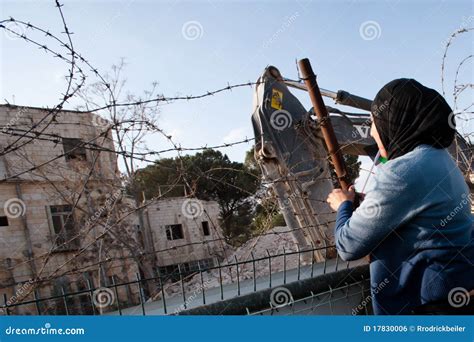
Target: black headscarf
<point x="408" y="114"/>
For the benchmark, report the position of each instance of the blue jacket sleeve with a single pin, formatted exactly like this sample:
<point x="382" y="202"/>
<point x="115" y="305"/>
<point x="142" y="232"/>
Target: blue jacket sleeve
<point x="387" y="205"/>
<point x="344" y="213"/>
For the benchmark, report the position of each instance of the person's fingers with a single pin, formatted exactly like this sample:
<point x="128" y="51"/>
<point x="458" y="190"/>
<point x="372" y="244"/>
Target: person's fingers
<point x="334" y="192"/>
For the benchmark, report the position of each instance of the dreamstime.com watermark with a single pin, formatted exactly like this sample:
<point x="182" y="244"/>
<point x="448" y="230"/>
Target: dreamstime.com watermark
<point x="14" y="30"/>
<point x="100" y="122"/>
<point x="459" y="120"/>
<point x="370" y="30"/>
<point x="289" y="20"/>
<point x="459" y="297"/>
<point x="370" y="209"/>
<point x="103" y="297"/>
<point x="192" y="208"/>
<point x="293" y="196"/>
<point x="280" y="297"/>
<point x="14" y="208"/>
<point x="109" y="202"/>
<point x="464" y="203"/>
<point x="366" y="301"/>
<point x="24" y="288"/>
<point x="363" y="130"/>
<point x="8" y="127"/>
<point x="192" y="30"/>
<point x="281" y="120"/>
<point x="192" y="297"/>
<point x="46" y="330"/>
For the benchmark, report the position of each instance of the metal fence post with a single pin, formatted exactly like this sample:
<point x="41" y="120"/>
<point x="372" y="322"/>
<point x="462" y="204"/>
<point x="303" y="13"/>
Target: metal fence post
<point x="238" y="276"/>
<point x="284" y="265"/>
<point x="312" y="301"/>
<point x="299" y="261"/>
<point x="363" y="298"/>
<point x="325" y="256"/>
<point x="347" y="292"/>
<point x="254" y="273"/>
<point x="182" y="287"/>
<point x="270" y="268"/>
<point x="202" y="284"/>
<point x="162" y="293"/>
<point x="38" y="309"/>
<point x="330" y="299"/>
<point x="220" y="279"/>
<point x="65" y="301"/>
<point x="140" y="292"/>
<point x="91" y="295"/>
<point x="5" y="302"/>
<point x="116" y="295"/>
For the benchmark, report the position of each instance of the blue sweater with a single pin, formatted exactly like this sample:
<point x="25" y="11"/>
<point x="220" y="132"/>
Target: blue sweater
<point x="416" y="224"/>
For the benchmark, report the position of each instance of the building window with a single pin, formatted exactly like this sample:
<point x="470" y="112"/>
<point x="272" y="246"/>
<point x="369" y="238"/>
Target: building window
<point x="174" y="232"/>
<point x="62" y="221"/>
<point x="205" y="228"/>
<point x="206" y="263"/>
<point x="74" y="149"/>
<point x="3" y="221"/>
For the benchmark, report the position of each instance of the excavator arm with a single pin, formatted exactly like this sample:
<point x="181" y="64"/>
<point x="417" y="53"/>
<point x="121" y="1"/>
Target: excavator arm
<point x="293" y="157"/>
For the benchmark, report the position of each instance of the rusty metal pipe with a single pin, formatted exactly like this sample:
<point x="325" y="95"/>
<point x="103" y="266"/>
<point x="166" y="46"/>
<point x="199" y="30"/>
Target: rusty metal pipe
<point x="325" y="123"/>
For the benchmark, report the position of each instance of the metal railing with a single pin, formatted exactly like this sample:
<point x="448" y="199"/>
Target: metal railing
<point x="349" y="299"/>
<point x="151" y="295"/>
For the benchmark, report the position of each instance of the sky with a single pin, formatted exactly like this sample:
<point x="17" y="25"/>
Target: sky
<point x="191" y="47"/>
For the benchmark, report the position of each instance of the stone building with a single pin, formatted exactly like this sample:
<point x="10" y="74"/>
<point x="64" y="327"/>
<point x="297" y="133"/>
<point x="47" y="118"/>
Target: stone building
<point x="62" y="225"/>
<point x="186" y="234"/>
<point x="58" y="181"/>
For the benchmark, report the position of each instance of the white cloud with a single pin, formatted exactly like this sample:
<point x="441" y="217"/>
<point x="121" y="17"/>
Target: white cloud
<point x="237" y="134"/>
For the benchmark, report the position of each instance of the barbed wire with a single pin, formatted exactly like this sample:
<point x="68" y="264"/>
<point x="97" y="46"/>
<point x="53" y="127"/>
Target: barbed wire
<point x="76" y="81"/>
<point x="177" y="98"/>
<point x="90" y="145"/>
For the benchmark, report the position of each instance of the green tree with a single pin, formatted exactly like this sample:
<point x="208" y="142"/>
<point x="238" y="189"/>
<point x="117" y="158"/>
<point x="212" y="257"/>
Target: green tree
<point x="208" y="175"/>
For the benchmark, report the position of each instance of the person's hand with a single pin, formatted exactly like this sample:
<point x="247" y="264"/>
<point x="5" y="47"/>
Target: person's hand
<point x="337" y="196"/>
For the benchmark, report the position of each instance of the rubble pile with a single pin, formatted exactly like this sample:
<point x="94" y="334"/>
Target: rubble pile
<point x="276" y="241"/>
